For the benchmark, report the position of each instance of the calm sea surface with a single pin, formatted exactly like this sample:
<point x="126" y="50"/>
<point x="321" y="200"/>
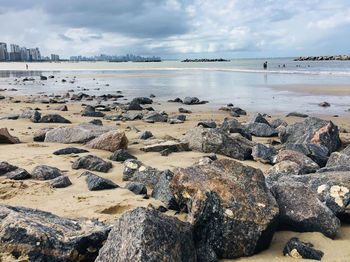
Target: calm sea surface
<point x="241" y="82"/>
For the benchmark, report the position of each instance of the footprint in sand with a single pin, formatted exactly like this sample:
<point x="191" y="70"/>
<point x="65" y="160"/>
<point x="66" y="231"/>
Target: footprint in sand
<point x="115" y="209"/>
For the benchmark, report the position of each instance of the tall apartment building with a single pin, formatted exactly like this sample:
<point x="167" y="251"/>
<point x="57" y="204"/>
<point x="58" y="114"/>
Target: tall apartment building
<point x="34" y="54"/>
<point x="55" y="57"/>
<point x="3" y="52"/>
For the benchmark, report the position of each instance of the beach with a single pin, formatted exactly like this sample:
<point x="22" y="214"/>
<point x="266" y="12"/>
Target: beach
<point x="106" y="206"/>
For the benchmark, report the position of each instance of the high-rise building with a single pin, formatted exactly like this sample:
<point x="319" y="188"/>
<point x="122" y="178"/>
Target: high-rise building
<point x="34" y="54"/>
<point x="3" y="52"/>
<point x="15" y="48"/>
<point x="55" y="57"/>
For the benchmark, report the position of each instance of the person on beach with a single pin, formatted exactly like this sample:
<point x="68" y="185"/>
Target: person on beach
<point x="26" y="66"/>
<point x="265" y="65"/>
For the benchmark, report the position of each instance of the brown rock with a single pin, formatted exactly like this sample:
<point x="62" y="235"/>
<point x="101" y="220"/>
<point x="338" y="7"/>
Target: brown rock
<point x="110" y="141"/>
<point x="306" y="164"/>
<point x="6" y="138"/>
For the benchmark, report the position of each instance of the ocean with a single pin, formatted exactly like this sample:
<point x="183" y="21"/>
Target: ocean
<point x="242" y="82"/>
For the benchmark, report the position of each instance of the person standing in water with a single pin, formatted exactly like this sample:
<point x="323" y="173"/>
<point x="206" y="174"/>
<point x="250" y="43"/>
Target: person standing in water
<point x="26" y="66"/>
<point x="265" y="65"/>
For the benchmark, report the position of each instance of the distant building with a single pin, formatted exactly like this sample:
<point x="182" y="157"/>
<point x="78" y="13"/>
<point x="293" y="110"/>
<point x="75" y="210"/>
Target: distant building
<point x="34" y="54"/>
<point x="55" y="57"/>
<point x="3" y="52"/>
<point x="15" y="48"/>
<point x="25" y="54"/>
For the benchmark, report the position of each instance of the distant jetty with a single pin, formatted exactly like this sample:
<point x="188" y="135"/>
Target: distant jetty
<point x="321" y="58"/>
<point x="205" y="60"/>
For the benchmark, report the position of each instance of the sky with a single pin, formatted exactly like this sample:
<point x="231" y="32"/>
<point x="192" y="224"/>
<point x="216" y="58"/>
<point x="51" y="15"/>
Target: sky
<point x="178" y="29"/>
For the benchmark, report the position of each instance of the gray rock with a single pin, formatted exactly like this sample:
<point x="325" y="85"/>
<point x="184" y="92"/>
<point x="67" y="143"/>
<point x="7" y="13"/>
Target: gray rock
<point x="190" y="100"/>
<point x="207" y="123"/>
<point x="297" y="249"/>
<point x="338" y="159"/>
<point x="212" y="140"/>
<point x="97" y="122"/>
<point x="333" y="168"/>
<point x="317" y="153"/>
<point x="296" y="114"/>
<point x="54" y="118"/>
<point x="301" y="209"/>
<point x="78" y="134"/>
<point x="233" y="126"/>
<point x="96" y="182"/>
<point x="39" y="136"/>
<point x="263" y="153"/>
<point x="92" y="163"/>
<point x="9" y="117"/>
<point x="18" y="174"/>
<point x="238" y="111"/>
<point x="33" y="115"/>
<point x="152" y="117"/>
<point x="162" y="191"/>
<point x="143" y="100"/>
<point x="137" y="188"/>
<point x="6" y="168"/>
<point x="44" y="172"/>
<point x="121" y="155"/>
<point x="134" y="105"/>
<point x="184" y="111"/>
<point x="278" y="122"/>
<point x="147" y="235"/>
<point x="261" y="129"/>
<point x="42" y="236"/>
<point x="146" y="135"/>
<point x="170" y="146"/>
<point x="177" y="119"/>
<point x="285" y="167"/>
<point x="90" y="112"/>
<point x="305" y="163"/>
<point x="69" y="150"/>
<point x="60" y="182"/>
<point x="114" y="117"/>
<point x="258" y="118"/>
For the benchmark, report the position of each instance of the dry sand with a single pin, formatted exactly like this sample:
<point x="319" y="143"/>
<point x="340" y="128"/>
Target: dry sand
<point x="107" y="205"/>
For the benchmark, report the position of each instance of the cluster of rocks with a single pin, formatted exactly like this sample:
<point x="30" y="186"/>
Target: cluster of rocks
<point x="188" y="101"/>
<point x="320" y="58"/>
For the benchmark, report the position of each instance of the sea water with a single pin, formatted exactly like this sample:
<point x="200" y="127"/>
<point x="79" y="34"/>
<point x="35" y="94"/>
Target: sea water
<point x="242" y="82"/>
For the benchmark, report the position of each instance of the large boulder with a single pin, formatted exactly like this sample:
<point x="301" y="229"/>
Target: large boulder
<point x="233" y="126"/>
<point x="152" y="117"/>
<point x="306" y="164"/>
<point x="33" y="115"/>
<point x="301" y="209"/>
<point x="285" y="167"/>
<point x="162" y="191"/>
<point x="91" y="112"/>
<point x="147" y="235"/>
<point x="260" y="129"/>
<point x="39" y="135"/>
<point x="312" y="130"/>
<point x="44" y="172"/>
<point x="110" y="141"/>
<point x="232" y="211"/>
<point x="263" y="154"/>
<point x="6" y="138"/>
<point x="42" y="236"/>
<point x="78" y="134"/>
<point x="258" y="118"/>
<point x="318" y="153"/>
<point x="213" y="140"/>
<point x="338" y="159"/>
<point x="54" y="118"/>
<point x="92" y="163"/>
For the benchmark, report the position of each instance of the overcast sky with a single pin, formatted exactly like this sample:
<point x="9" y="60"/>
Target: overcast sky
<point x="179" y="28"/>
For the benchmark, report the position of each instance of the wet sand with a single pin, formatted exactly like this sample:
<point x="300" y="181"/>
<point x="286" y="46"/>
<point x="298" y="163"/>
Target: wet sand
<point x="333" y="90"/>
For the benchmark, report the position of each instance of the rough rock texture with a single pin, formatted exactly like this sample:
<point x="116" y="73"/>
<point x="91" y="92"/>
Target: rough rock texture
<point x="152" y="117"/>
<point x="306" y="164"/>
<point x="233" y="126"/>
<point x="207" y="123"/>
<point x="231" y="209"/>
<point x="261" y="129"/>
<point x="121" y="155"/>
<point x="6" y="138"/>
<point x="147" y="235"/>
<point x="134" y="105"/>
<point x="162" y="191"/>
<point x="78" y="134"/>
<point x="176" y="119"/>
<point x="296" y="114"/>
<point x="39" y="136"/>
<point x="191" y="100"/>
<point x="6" y="167"/>
<point x="278" y="122"/>
<point x="285" y="167"/>
<point x="33" y="115"/>
<point x="212" y="140"/>
<point x="258" y="118"/>
<point x="54" y="118"/>
<point x="60" y="182"/>
<point x="171" y="146"/>
<point x="96" y="182"/>
<point x="263" y="153"/>
<point x="297" y="249"/>
<point x="90" y="112"/>
<point x="301" y="209"/>
<point x="110" y="141"/>
<point x="42" y="236"/>
<point x="92" y="163"/>
<point x="46" y="172"/>
<point x="69" y="150"/>
<point x="313" y="130"/>
<point x="317" y="153"/>
<point x="137" y="188"/>
<point x="145" y="135"/>
<point x="338" y="159"/>
<point x="136" y="171"/>
<point x="18" y="174"/>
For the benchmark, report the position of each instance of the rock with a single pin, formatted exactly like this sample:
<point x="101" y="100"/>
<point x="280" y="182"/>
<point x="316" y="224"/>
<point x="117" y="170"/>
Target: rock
<point x="131" y="116"/>
<point x="54" y="118"/>
<point x="338" y="159"/>
<point x="212" y="140"/>
<point x="39" y="136"/>
<point x="96" y="182"/>
<point x="148" y="235"/>
<point x="143" y="100"/>
<point x="33" y="115"/>
<point x="152" y="117"/>
<point x="78" y="134"/>
<point x="176" y="100"/>
<point x="42" y="236"/>
<point x="6" y="168"/>
<point x="170" y="146"/>
<point x="146" y="135"/>
<point x="177" y="119"/>
<point x="261" y="129"/>
<point x="184" y="111"/>
<point x="313" y="130"/>
<point x="60" y="182"/>
<point x="44" y="172"/>
<point x="238" y="111"/>
<point x="297" y="249"/>
<point x="134" y="105"/>
<point x="263" y="153"/>
<point x="136" y="171"/>
<point x="43" y="77"/>
<point x="92" y="163"/>
<point x="324" y="104"/>
<point x="190" y="100"/>
<point x="301" y="209"/>
<point x="225" y="200"/>
<point x="60" y="108"/>
<point x="97" y="122"/>
<point x="90" y="112"/>
<point x="317" y="153"/>
<point x="137" y="188"/>
<point x="258" y="118"/>
<point x="305" y="163"/>
<point x="285" y="167"/>
<point x="6" y="138"/>
<point x="114" y="117"/>
<point x="69" y="150"/>
<point x="9" y="117"/>
<point x="333" y="168"/>
<point x="110" y="141"/>
<point x="18" y="174"/>
<point x="233" y="126"/>
<point x="278" y="122"/>
<point x="207" y="123"/>
<point x="121" y="155"/>
<point x="296" y="114"/>
<point x="162" y="191"/>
